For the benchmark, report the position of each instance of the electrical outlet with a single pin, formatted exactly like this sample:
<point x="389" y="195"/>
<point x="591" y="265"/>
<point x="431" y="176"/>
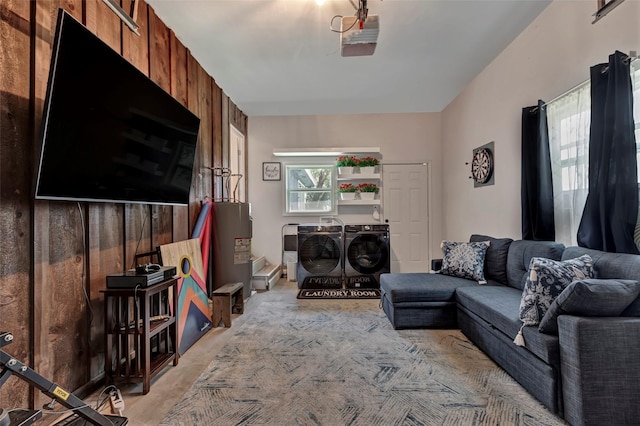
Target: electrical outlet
<point x="117" y="403"/>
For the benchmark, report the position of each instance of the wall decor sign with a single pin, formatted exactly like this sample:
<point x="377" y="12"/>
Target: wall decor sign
<point x="271" y="171"/>
<point x="482" y="165"/>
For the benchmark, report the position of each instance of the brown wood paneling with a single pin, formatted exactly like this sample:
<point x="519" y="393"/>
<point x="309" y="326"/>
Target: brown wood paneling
<point x="193" y="103"/>
<point x="137" y="225"/>
<point x="178" y="71"/>
<point x="205" y="151"/>
<point x="160" y="72"/>
<point x="105" y="220"/>
<point x="105" y="223"/>
<point x="137" y="217"/>
<point x="199" y="97"/>
<point x="159" y="52"/>
<point x="216" y="101"/>
<point x="135" y="48"/>
<point x="178" y="84"/>
<point x="60" y="344"/>
<point x="15" y="190"/>
<point x="45" y="267"/>
<point x="237" y="118"/>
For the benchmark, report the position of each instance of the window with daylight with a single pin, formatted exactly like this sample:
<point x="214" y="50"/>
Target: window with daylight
<point x="310" y="189"/>
<point x="569" y="119"/>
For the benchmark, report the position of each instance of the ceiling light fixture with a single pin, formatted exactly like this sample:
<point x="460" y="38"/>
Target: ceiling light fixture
<point x="358" y="33"/>
<point x="321" y="152"/>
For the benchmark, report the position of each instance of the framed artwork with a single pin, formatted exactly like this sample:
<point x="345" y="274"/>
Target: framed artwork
<point x="271" y="171"/>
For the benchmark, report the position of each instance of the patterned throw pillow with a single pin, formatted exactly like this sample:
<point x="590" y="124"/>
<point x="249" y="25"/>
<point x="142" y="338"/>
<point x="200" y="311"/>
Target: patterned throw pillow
<point x="546" y="280"/>
<point x="464" y="260"/>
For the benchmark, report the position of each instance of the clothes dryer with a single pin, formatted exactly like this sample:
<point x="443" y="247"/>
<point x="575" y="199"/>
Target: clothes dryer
<point x="320" y="256"/>
<point x="367" y="255"/>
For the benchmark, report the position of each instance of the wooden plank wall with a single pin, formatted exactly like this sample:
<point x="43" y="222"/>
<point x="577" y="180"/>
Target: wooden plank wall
<point x="15" y="200"/>
<point x="56" y="255"/>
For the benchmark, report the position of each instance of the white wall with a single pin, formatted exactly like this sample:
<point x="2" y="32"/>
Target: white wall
<point x="550" y="57"/>
<point x="401" y="138"/>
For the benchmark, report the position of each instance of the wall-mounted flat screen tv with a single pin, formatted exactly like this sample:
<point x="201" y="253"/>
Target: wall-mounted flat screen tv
<point x="109" y="133"/>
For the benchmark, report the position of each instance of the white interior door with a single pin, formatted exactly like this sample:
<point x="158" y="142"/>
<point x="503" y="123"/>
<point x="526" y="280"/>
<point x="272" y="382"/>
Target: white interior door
<point x="236" y="164"/>
<point x="406" y="210"/>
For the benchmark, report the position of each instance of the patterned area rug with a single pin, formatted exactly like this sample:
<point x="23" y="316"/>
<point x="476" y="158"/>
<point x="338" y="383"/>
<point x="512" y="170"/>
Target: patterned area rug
<point x="339" y="362"/>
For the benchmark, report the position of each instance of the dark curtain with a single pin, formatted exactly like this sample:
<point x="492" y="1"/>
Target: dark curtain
<point x="537" y="186"/>
<point x="611" y="209"/>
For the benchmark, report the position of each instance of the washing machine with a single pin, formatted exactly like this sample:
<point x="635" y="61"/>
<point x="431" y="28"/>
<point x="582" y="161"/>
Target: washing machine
<point x="367" y="254"/>
<point x="320" y="256"/>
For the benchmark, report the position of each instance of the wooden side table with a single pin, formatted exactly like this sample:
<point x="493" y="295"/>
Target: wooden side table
<point x="141" y="333"/>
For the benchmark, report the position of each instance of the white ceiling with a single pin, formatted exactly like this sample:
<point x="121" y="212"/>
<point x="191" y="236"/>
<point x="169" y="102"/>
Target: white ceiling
<point x="279" y="57"/>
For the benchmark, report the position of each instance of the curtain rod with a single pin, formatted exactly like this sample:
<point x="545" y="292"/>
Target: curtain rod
<point x="577" y="87"/>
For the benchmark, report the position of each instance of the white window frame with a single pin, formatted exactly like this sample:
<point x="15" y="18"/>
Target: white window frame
<point x="289" y="191"/>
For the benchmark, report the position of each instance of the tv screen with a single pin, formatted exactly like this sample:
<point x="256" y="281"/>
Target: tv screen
<point x="109" y="133"/>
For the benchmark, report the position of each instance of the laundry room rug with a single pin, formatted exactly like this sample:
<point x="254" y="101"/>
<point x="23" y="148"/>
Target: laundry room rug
<point x="339" y="293"/>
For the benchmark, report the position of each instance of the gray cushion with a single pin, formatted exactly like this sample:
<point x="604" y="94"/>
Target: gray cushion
<point x="547" y="279"/>
<point x="520" y="254"/>
<point x="617" y="266"/>
<point x="594" y="297"/>
<point x="421" y="287"/>
<point x="464" y="260"/>
<point x="498" y="306"/>
<point x="495" y="261"/>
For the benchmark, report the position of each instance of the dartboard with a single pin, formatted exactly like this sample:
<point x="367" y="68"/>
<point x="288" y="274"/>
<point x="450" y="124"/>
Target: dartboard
<point x="482" y="165"/>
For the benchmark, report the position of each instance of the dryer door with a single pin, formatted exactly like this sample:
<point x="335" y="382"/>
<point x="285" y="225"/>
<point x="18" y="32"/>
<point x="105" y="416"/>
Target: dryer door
<point x="368" y="253"/>
<point x="319" y="254"/>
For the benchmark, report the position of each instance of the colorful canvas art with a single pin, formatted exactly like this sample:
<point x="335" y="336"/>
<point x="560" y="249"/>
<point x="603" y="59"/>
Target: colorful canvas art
<point x="193" y="314"/>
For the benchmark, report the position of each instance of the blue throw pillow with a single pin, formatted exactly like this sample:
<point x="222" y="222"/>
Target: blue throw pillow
<point x="464" y="260"/>
<point x="546" y="280"/>
<point x="593" y="297"/>
<point x="495" y="263"/>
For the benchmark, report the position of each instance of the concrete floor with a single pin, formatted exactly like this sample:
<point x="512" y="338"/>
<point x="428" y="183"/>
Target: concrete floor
<point x="169" y="386"/>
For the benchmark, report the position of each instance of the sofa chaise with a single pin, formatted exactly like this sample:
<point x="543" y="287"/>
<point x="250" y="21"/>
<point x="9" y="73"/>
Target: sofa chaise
<point x="584" y="365"/>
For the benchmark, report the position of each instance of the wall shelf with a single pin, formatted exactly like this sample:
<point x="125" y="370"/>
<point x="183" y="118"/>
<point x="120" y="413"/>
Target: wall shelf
<point x="358" y="176"/>
<point x="375" y="202"/>
<point x="361" y="175"/>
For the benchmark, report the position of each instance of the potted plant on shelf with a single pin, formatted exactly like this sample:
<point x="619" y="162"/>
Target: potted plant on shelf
<point x="347" y="191"/>
<point x="367" y="165"/>
<point x="346" y="163"/>
<point x="367" y="191"/>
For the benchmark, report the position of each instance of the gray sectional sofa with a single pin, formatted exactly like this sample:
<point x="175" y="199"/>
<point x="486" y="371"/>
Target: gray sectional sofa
<point x="588" y="372"/>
